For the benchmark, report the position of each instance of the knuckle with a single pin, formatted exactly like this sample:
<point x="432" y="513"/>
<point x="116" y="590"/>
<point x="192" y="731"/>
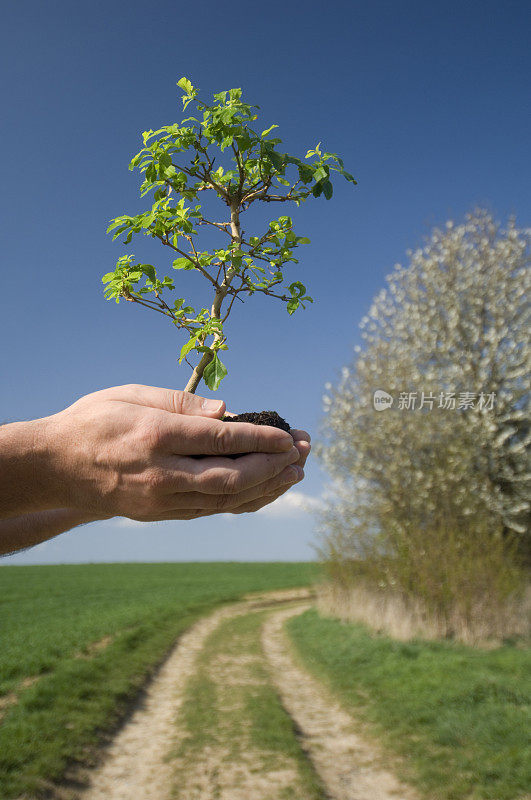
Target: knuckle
<point x="230" y="482"/>
<point x="218" y="481"/>
<point x="177" y="401"/>
<point x="219" y="439"/>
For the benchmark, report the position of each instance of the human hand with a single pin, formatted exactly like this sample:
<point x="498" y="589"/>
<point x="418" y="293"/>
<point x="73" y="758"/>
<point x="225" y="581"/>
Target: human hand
<point x="302" y="441"/>
<point x="127" y="451"/>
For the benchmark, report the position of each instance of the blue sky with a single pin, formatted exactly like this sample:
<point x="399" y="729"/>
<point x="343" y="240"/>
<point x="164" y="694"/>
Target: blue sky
<point x="428" y="103"/>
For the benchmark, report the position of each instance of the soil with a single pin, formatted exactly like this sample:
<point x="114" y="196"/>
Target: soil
<point x="258" y="418"/>
<point x="261" y="418"/>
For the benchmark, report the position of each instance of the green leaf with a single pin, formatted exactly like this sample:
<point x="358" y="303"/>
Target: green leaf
<point x="264" y="133"/>
<point x="328" y="190"/>
<point x="149" y="270"/>
<point x="214" y="373"/>
<point x="348" y="176"/>
<point x="293" y="305"/>
<point x="297" y="288"/>
<point x="185" y="349"/>
<point x="182" y="263"/>
<point x="276" y="159"/>
<point x="115" y="223"/>
<point x="185" y="85"/>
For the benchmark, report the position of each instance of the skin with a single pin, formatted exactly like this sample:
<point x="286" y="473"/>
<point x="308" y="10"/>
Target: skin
<point x="133" y="451"/>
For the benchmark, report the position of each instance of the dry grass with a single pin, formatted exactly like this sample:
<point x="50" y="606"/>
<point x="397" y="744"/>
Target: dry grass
<point x="485" y="624"/>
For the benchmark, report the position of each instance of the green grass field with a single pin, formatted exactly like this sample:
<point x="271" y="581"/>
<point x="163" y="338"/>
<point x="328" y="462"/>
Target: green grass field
<point x="460" y="716"/>
<point x="91" y="635"/>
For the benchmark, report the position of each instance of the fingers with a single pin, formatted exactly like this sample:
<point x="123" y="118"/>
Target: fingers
<point x="256" y="505"/>
<point x="171" y="400"/>
<point x="220" y="476"/>
<point x="251" y="508"/>
<point x="221" y="503"/>
<point x="300" y="436"/>
<point x="227" y="502"/>
<point x="302" y="443"/>
<point x="199" y="436"/>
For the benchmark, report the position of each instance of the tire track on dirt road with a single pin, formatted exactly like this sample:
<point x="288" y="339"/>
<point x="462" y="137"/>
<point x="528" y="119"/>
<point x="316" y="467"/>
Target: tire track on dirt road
<point x="143" y="762"/>
<point x="136" y="764"/>
<point x="349" y="766"/>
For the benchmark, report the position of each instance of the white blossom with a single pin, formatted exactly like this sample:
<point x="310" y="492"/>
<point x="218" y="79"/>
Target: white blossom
<point x="455" y="320"/>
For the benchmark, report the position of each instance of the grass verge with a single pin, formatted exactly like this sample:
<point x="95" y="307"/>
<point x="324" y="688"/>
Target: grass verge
<point x="459" y="715"/>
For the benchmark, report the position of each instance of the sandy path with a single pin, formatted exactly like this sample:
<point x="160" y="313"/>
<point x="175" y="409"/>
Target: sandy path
<point x="135" y="766"/>
<point x="347" y="765"/>
<point x="141" y="763"/>
<point x="229" y="764"/>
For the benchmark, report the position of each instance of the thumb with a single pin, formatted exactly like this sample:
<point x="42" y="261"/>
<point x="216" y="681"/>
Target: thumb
<point x="172" y="400"/>
<point x="192" y="404"/>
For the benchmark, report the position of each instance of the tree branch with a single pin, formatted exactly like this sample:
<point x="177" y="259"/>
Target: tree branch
<point x="194" y="260"/>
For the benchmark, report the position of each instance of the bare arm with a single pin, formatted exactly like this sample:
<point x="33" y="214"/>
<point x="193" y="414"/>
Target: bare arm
<point x="22" y="469"/>
<point x="18" y="533"/>
<point x="133" y="451"/>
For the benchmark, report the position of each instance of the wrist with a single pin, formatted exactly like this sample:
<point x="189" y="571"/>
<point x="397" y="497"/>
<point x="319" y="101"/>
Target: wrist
<point x="24" y="472"/>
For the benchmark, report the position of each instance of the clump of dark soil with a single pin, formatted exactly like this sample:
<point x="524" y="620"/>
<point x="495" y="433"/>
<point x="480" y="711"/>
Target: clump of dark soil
<point x="260" y="418"/>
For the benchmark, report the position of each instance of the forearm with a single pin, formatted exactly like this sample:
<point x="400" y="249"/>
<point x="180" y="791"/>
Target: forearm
<point x="23" y="469"/>
<point x="27" y="530"/>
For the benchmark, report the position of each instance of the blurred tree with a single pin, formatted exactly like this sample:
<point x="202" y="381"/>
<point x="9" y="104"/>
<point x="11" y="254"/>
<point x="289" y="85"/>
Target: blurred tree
<point x="424" y="487"/>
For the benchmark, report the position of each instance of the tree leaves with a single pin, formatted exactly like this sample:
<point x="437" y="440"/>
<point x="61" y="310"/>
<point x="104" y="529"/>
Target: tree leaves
<point x="214" y="373"/>
<point x="177" y="164"/>
<point x="328" y="190"/>
<point x="189" y="345"/>
<point x="268" y="130"/>
<point x="183" y="263"/>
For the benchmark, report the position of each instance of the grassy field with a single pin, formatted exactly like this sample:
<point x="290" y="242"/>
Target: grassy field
<point x="460" y="715"/>
<point x="77" y="642"/>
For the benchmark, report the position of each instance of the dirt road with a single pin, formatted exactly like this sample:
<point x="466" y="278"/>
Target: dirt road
<point x="200" y="732"/>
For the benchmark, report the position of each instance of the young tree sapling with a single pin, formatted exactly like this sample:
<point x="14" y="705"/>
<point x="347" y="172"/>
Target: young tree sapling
<point x="243" y="265"/>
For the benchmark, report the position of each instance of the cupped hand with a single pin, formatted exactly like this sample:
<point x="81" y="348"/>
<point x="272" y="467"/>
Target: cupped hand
<point x="128" y="451"/>
<point x="301" y="441"/>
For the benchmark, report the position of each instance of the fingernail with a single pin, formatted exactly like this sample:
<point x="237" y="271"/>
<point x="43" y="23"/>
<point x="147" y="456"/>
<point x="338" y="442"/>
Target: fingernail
<point x="211" y="405"/>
